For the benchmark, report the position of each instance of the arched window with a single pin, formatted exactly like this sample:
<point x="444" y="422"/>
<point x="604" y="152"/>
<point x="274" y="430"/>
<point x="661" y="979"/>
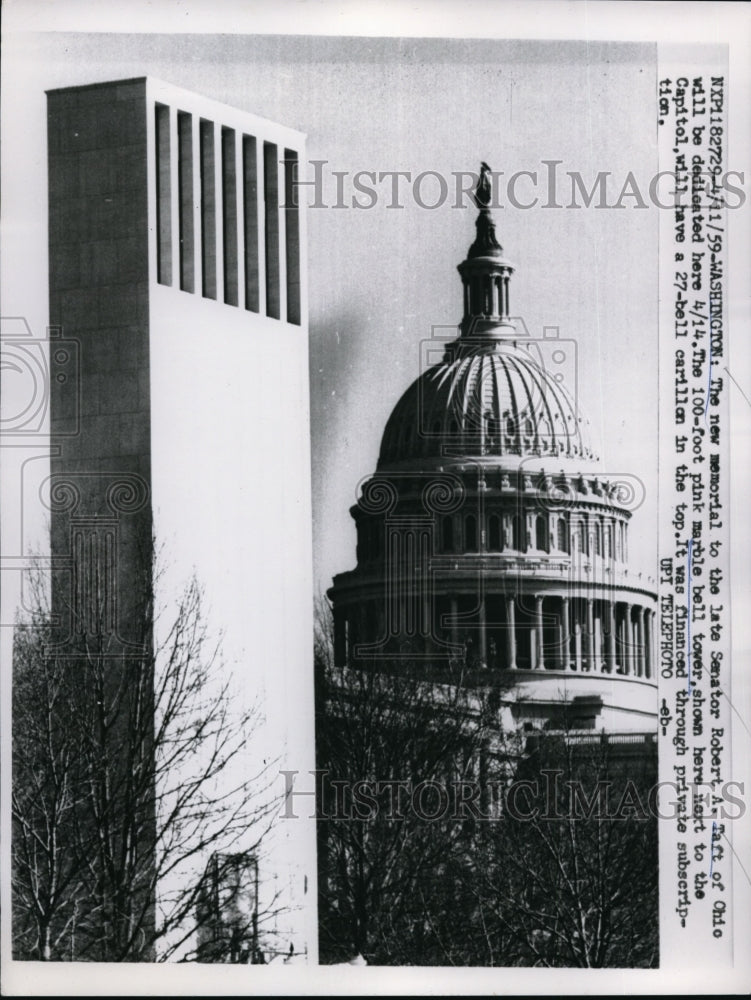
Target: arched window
<point x="470" y="533"/>
<point x="511" y="427"/>
<point x="541" y="533"/>
<point x="607" y="541"/>
<point x="562" y="534"/>
<point x="447" y="534"/>
<point x="494" y="533"/>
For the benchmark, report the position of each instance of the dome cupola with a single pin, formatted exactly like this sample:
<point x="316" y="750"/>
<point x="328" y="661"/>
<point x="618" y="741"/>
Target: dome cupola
<point x="491" y="398"/>
<point x="485" y="275"/>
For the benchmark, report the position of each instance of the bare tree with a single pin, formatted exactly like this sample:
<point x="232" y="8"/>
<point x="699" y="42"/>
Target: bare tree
<point x="129" y="771"/>
<point x="550" y="858"/>
<point x="45" y="796"/>
<point x="396" y="751"/>
<point x="571" y="878"/>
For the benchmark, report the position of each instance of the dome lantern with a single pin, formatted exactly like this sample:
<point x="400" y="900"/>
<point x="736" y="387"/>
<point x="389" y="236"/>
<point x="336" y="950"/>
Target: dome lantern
<point x="485" y="275"/>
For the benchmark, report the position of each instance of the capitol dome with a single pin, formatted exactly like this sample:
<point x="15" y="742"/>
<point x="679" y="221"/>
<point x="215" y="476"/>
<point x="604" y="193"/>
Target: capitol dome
<point x="490" y="544"/>
<point x="490" y="400"/>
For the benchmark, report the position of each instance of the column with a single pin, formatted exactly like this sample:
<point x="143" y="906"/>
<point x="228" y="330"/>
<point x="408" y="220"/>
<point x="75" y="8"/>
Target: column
<point x="565" y="636"/>
<point x="618" y="637"/>
<point x="538" y="660"/>
<point x="425" y="551"/>
<point x="642" y="640"/>
<point x="628" y="646"/>
<point x="598" y="643"/>
<point x="652" y="646"/>
<point x="511" y="632"/>
<point x="590" y="635"/>
<point x="611" y="660"/>
<point x="483" y="635"/>
<point x="577" y="638"/>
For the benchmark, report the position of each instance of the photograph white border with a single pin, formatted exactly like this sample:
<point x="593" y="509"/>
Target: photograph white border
<point x="724" y="23"/>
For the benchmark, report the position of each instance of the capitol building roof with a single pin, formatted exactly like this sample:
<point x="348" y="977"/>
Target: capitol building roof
<point x="494" y="397"/>
<point x="491" y="400"/>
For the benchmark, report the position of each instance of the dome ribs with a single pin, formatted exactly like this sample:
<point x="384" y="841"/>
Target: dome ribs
<point x="458" y="412"/>
<point x="546" y="387"/>
<point x="437" y="412"/>
<point x="497" y="402"/>
<point x="517" y="446"/>
<point x="489" y="396"/>
<point x="514" y="362"/>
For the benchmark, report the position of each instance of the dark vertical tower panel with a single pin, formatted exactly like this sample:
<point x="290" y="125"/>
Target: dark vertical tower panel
<point x="229" y="216"/>
<point x="104" y="143"/>
<point x="208" y="209"/>
<point x="185" y="184"/>
<point x="99" y="272"/>
<point x="163" y="195"/>
<point x="271" y="228"/>
<point x="292" y="235"/>
<point x="250" y="222"/>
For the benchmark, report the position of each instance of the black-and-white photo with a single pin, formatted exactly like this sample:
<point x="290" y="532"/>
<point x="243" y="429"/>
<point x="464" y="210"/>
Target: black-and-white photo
<point x="367" y="402"/>
<point x="486" y="672"/>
